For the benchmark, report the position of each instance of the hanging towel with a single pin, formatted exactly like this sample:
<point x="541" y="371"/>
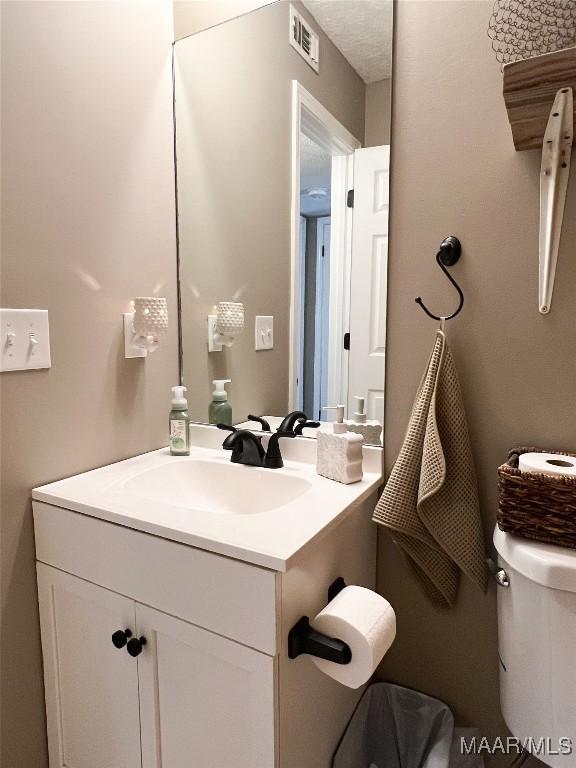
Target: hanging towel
<point x="430" y="502"/>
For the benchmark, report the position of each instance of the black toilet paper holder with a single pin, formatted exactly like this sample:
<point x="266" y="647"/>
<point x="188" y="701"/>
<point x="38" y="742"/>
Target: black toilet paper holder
<point x="303" y="639"/>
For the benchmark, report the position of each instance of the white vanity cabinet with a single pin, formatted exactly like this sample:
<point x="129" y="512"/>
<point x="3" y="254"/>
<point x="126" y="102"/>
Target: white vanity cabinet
<point x="212" y="685"/>
<point x="191" y="697"/>
<point x="204" y="699"/>
<point x="91" y="692"/>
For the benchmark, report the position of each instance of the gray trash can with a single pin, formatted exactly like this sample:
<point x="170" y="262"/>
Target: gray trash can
<point x="395" y="727"/>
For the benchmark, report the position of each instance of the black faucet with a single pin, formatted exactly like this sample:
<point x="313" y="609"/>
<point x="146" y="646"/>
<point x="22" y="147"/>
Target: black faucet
<point x="305" y="425"/>
<point x="273" y="458"/>
<point x="289" y="421"/>
<point x="246" y="447"/>
<point x="260" y="420"/>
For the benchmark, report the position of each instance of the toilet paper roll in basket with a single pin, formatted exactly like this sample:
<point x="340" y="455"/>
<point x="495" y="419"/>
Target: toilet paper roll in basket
<point x="548" y="464"/>
<point x="367" y="623"/>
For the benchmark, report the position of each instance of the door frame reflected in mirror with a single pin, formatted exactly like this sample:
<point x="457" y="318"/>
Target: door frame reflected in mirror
<point x="310" y="117"/>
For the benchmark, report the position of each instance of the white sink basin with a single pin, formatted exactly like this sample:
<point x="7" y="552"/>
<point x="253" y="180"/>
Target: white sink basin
<point x="261" y="516"/>
<point x="229" y="489"/>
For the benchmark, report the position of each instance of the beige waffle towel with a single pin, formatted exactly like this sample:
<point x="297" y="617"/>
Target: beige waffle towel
<point x="430" y="502"/>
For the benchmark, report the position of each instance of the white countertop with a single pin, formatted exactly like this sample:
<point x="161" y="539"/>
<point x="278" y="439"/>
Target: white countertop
<point x="270" y="538"/>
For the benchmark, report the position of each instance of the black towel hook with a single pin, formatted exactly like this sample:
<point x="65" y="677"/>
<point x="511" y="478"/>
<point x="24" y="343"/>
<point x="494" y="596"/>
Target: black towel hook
<point x="449" y="253"/>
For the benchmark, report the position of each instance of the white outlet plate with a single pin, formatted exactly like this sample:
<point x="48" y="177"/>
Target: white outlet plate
<point x="24" y="339"/>
<point x="213" y="345"/>
<point x="130" y="349"/>
<point x="263" y="332"/>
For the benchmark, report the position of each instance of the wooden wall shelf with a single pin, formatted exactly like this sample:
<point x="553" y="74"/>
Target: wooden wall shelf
<point x="530" y="87"/>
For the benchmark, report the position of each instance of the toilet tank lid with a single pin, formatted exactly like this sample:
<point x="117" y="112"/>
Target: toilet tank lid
<point x="545" y="564"/>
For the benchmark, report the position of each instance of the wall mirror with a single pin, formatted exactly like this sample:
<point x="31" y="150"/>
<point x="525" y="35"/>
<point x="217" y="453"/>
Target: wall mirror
<point x="282" y="156"/>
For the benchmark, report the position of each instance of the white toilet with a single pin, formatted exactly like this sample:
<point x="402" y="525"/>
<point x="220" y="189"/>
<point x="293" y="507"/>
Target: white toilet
<point x="537" y="645"/>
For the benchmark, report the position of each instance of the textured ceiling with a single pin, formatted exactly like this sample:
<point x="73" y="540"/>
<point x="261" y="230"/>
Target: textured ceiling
<point x="361" y="30"/>
<point x="315" y="171"/>
<point x="315" y="164"/>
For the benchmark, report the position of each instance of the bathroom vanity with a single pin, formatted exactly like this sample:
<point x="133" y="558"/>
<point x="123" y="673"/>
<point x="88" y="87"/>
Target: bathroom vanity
<point x="198" y="568"/>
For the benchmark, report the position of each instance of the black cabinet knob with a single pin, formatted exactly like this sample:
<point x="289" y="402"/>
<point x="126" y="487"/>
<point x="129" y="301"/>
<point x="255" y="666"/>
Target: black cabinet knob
<point x="135" y="645"/>
<point x="120" y="637"/>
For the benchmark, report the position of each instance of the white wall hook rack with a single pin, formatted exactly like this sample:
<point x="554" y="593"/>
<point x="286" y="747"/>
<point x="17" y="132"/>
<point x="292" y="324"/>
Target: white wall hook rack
<point x="530" y="87"/>
<point x="554" y="175"/>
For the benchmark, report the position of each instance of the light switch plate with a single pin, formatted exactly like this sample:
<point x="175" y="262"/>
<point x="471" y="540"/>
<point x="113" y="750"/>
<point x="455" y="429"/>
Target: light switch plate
<point x="264" y="332"/>
<point x="24" y="339"/>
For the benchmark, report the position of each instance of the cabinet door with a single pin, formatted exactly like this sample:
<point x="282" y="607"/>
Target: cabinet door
<point x="91" y="686"/>
<point x="206" y="702"/>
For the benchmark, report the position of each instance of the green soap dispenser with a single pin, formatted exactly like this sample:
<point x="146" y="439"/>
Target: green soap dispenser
<point x="179" y="423"/>
<point x="220" y="410"/>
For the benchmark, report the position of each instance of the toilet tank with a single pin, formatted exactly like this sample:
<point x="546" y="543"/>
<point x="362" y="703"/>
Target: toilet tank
<point x="537" y="646"/>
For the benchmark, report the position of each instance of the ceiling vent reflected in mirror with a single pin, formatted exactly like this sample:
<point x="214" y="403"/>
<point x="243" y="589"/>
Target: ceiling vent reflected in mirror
<point x="304" y="39"/>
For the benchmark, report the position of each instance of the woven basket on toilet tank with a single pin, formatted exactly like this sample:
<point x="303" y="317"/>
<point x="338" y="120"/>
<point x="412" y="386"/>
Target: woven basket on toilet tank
<point x="537" y="506"/>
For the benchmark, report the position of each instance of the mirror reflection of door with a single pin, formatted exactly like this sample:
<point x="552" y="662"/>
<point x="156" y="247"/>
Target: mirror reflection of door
<point x="340" y="287"/>
<point x="368" y="280"/>
<point x="315" y="179"/>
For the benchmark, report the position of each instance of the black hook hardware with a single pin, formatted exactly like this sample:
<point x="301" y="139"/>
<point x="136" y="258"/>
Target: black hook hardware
<point x="449" y="253"/>
<point x="303" y="639"/>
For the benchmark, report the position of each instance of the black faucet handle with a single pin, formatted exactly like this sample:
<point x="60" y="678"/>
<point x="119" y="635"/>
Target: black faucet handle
<point x="228" y="443"/>
<point x="260" y="420"/>
<point x="305" y="425"/>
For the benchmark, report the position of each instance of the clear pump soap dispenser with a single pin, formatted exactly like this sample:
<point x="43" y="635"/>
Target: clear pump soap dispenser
<point x="339" y="453"/>
<point x="179" y="423"/>
<point x="370" y="429"/>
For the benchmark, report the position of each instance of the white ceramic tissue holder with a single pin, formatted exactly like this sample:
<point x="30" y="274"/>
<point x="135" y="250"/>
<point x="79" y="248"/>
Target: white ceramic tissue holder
<point x="145" y="326"/>
<point x="225" y="325"/>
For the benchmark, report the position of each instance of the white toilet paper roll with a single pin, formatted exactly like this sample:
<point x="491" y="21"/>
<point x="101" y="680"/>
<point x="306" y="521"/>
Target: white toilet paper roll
<point x="367" y="623"/>
<point x="548" y="463"/>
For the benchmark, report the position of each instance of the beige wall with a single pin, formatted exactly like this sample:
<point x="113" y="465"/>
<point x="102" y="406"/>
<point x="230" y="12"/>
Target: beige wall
<point x="191" y="16"/>
<point x="377" y="116"/>
<point x="233" y="148"/>
<point x="87" y="223"/>
<point x="455" y="171"/>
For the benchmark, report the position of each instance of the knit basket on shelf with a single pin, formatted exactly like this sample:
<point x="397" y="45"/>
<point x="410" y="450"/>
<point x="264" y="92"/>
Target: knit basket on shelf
<point x="535" y="505"/>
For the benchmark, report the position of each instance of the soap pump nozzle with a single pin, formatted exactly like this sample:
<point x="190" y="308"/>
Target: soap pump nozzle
<point x="360" y="414"/>
<point x="220" y="393"/>
<point x="338" y="424"/>
<point x="178" y="397"/>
